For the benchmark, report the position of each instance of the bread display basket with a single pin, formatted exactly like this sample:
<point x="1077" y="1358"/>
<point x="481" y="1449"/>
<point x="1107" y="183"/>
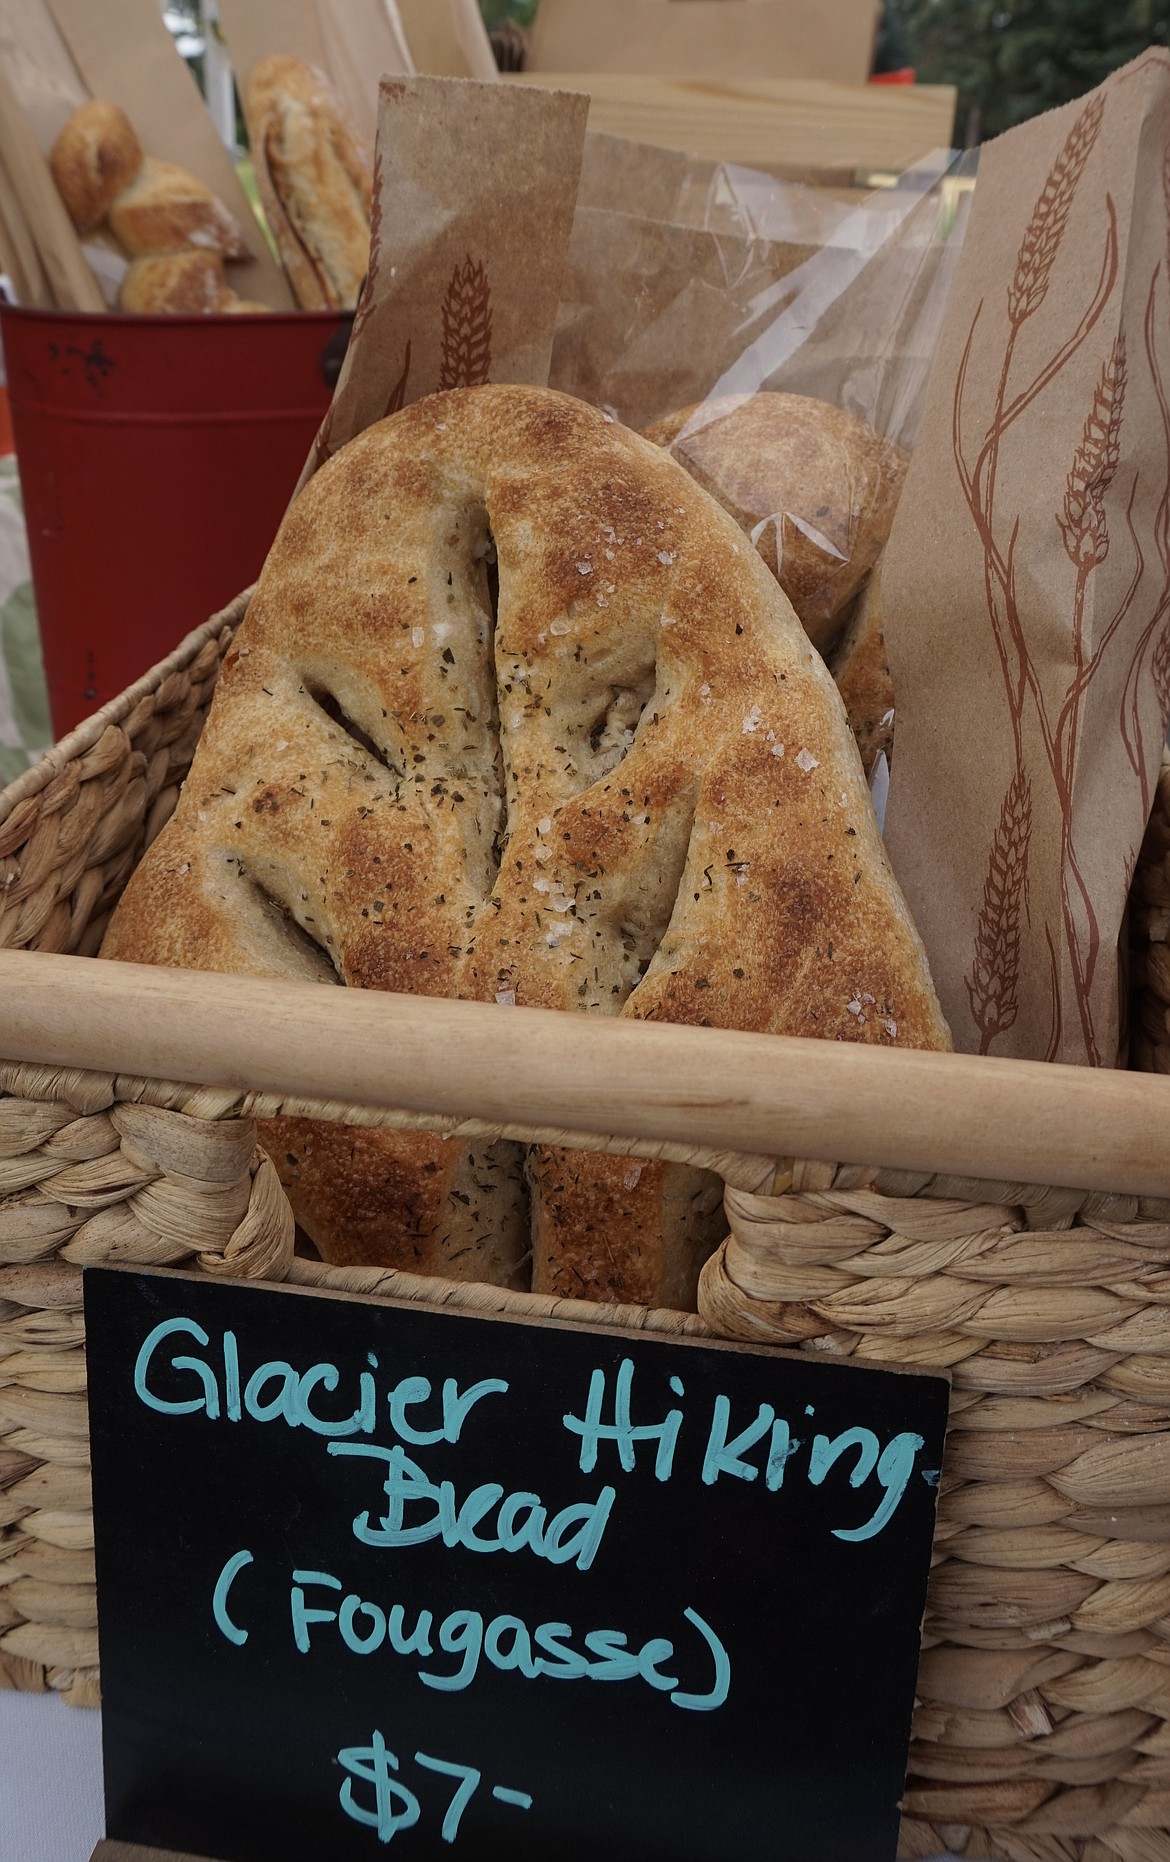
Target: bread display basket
<point x="1043" y="1726"/>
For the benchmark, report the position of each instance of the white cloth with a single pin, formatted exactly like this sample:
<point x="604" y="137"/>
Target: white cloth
<point x="50" y="1779"/>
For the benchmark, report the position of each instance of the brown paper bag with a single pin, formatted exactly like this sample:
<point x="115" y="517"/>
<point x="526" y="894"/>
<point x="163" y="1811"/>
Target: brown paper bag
<point x="1027" y="579"/>
<point x="624" y="176"/>
<point x="40" y="207"/>
<point x="718" y="39"/>
<point x="39" y="87"/>
<point x="466" y="253"/>
<point x="794" y="205"/>
<point x="38" y="65"/>
<point x="354" y="42"/>
<point x="19" y="258"/>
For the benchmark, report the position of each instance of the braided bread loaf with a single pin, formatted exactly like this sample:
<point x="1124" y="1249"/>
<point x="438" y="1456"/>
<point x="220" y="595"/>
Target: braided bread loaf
<point x="627" y="785"/>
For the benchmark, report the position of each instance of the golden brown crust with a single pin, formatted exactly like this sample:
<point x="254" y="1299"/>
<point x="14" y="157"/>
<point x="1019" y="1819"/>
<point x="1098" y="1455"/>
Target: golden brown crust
<point x="861" y="667"/>
<point x="314" y="179"/>
<point x="167" y="209"/>
<point x="96" y="155"/>
<point x="175" y="282"/>
<point x="814" y="487"/>
<point x="632" y="791"/>
<point x="445" y="1208"/>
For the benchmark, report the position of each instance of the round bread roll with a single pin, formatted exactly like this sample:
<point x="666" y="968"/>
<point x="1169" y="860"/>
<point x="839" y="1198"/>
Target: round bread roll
<point x="189" y="283"/>
<point x="814" y="488"/>
<point x="96" y="155"/>
<point x="167" y="209"/>
<point x="610" y="778"/>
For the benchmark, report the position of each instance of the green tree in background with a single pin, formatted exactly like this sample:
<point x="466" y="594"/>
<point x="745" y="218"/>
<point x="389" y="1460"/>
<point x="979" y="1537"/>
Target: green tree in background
<point x="496" y="11"/>
<point x="1012" y="60"/>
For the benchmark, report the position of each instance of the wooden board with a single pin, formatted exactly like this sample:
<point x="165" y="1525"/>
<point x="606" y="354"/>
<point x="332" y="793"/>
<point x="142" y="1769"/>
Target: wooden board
<point x="714" y="38"/>
<point x="769" y="123"/>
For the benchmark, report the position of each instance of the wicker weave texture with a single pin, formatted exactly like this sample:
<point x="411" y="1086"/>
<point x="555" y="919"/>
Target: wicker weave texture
<point x="97" y="1169"/>
<point x="74" y="826"/>
<point x="1045" y="1682"/>
<point x="1043" y="1731"/>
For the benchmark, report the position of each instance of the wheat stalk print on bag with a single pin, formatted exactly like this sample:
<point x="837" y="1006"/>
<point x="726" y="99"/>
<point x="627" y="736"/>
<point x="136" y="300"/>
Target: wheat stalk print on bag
<point x="467" y="327"/>
<point x="994" y="979"/>
<point x="993" y="1001"/>
<point x="1158" y="628"/>
<point x="430" y="318"/>
<point x="1045" y="458"/>
<point x="612" y="779"/>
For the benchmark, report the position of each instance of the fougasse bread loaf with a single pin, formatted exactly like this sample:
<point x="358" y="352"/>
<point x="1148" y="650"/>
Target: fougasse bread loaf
<point x="315" y="179"/>
<point x="813" y="486"/>
<point x="517" y="714"/>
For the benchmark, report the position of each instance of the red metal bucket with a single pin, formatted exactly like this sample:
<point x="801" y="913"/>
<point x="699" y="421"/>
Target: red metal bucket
<point x="157" y="458"/>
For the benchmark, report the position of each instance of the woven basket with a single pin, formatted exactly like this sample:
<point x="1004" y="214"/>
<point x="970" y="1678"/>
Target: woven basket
<point x="1043" y="1730"/>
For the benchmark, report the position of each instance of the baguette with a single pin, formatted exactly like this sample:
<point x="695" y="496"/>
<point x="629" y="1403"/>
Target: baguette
<point x="314" y="180"/>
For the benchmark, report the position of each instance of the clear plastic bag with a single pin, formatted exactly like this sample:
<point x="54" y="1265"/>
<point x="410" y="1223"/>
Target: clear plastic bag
<point x="776" y="333"/>
<point x="690" y="280"/>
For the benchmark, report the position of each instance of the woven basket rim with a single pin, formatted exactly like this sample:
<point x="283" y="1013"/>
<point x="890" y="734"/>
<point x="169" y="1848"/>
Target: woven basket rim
<point x="89" y="732"/>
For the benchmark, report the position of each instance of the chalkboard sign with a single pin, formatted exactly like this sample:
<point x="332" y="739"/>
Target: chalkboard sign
<point x="373" y="1574"/>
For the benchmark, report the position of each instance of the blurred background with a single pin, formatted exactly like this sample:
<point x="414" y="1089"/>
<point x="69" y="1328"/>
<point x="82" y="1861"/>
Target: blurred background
<point x="1011" y="62"/>
<point x="1008" y="62"/>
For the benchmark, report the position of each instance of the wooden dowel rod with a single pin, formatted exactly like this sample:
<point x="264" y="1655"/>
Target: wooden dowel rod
<point x="1013" y="1120"/>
